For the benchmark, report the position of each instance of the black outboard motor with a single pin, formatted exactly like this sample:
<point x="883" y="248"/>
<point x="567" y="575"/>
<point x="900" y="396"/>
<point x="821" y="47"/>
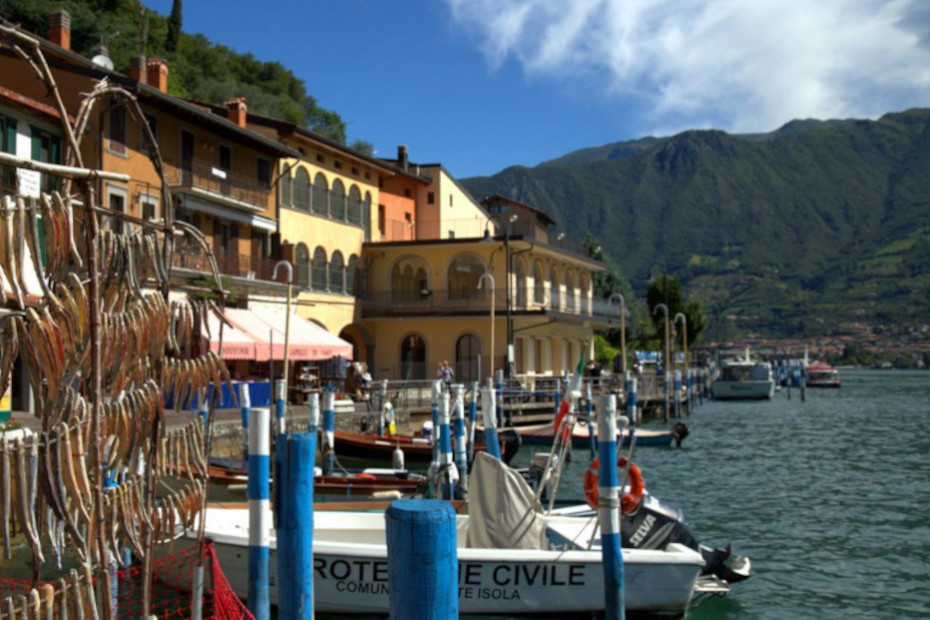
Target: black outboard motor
<point x="679" y="432"/>
<point x="656" y="523"/>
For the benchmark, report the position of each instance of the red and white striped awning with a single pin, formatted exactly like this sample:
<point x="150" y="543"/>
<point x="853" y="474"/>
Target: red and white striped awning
<point x="308" y="341"/>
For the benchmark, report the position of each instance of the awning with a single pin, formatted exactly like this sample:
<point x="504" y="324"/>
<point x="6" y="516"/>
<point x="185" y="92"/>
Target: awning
<point x="237" y="344"/>
<point x="308" y="341"/>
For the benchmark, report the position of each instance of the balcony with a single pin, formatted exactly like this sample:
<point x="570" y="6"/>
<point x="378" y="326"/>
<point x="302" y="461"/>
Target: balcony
<point x="473" y="228"/>
<point x="204" y="178"/>
<point x="382" y="304"/>
<point x="229" y="264"/>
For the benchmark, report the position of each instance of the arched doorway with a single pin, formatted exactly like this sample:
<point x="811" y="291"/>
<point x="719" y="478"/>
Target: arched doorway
<point x="467" y="354"/>
<point x="412" y="358"/>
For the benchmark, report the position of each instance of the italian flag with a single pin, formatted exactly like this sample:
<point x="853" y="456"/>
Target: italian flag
<point x="566" y="406"/>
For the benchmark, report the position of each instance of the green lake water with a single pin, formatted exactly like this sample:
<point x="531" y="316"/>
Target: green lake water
<point x="830" y="497"/>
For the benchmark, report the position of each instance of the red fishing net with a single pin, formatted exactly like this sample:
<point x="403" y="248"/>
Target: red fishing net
<point x="173" y="577"/>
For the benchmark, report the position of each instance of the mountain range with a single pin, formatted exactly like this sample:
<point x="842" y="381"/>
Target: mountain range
<point x="805" y="230"/>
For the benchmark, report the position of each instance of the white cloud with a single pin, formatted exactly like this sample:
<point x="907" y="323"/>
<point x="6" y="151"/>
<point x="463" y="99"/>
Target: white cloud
<point x="740" y="65"/>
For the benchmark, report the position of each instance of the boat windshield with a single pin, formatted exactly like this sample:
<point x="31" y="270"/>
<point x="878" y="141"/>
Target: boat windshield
<point x="757" y="372"/>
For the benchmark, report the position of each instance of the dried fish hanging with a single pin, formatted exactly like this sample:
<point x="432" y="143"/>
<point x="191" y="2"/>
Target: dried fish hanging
<point x="99" y="352"/>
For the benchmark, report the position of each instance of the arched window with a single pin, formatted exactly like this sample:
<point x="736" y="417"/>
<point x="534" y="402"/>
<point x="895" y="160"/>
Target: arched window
<point x="337" y="276"/>
<point x="303" y="266"/>
<point x="366" y="216"/>
<point x="337" y="201"/>
<point x="412" y="358"/>
<point x="318" y="270"/>
<point x="352" y="275"/>
<point x="355" y="205"/>
<point x="408" y="280"/>
<point x="287" y="196"/>
<point x="569" y="291"/>
<point x="467" y="353"/>
<point x="320" y="195"/>
<point x="519" y="273"/>
<point x="302" y="189"/>
<point x="464" y="273"/>
<point x="555" y="294"/>
<point x="584" y="293"/>
<point x="539" y="285"/>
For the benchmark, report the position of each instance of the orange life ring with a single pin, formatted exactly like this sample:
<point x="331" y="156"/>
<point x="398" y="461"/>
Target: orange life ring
<point x="630" y="501"/>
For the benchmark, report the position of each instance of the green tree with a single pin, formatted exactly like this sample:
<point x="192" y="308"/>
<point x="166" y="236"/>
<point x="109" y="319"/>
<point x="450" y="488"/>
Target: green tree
<point x="668" y="291"/>
<point x="174" y="27"/>
<point x="364" y="147"/>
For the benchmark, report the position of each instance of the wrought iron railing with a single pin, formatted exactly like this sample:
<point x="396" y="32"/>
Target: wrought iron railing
<point x="207" y="176"/>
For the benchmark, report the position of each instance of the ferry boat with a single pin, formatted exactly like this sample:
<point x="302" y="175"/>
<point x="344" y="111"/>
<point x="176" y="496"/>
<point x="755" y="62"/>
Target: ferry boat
<point x="821" y="374"/>
<point x="744" y="378"/>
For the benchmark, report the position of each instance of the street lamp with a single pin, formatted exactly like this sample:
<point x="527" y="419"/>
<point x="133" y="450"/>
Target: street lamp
<point x="684" y="331"/>
<point x="622" y="330"/>
<point x="665" y="354"/>
<point x="289" y="269"/>
<point x="493" y="303"/>
<point x="509" y="365"/>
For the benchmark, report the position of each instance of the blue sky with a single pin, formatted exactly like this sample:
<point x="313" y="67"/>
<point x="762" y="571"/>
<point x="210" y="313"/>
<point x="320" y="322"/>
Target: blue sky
<point x="480" y="85"/>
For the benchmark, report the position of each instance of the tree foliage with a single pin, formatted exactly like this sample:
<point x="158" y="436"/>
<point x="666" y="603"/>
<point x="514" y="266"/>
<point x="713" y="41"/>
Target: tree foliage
<point x="668" y="291"/>
<point x="174" y="27"/>
<point x="199" y="69"/>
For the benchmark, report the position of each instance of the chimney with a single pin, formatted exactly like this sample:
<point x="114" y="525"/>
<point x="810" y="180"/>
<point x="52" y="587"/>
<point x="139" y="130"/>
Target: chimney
<point x="402" y="157"/>
<point x="59" y="28"/>
<point x="137" y="69"/>
<point x="237" y="111"/>
<point x="158" y="74"/>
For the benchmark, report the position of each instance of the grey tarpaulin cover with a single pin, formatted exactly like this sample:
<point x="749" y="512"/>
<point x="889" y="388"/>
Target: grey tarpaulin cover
<point x="503" y="512"/>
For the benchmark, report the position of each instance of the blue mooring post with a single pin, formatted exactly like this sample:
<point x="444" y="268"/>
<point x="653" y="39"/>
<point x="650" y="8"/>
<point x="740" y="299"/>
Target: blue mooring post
<point x="422" y="560"/>
<point x="437" y="431"/>
<point x="259" y="513"/>
<point x="472" y="420"/>
<point x="592" y="441"/>
<point x="677" y="393"/>
<point x="489" y="414"/>
<point x="500" y="397"/>
<point x="689" y="399"/>
<point x="295" y="526"/>
<point x="382" y="398"/>
<point x="461" y="450"/>
<point x="329" y="433"/>
<point x="802" y="372"/>
<point x="280" y="405"/>
<point x="205" y="409"/>
<point x="448" y="474"/>
<point x="608" y="508"/>
<point x="631" y="399"/>
<point x="245" y="403"/>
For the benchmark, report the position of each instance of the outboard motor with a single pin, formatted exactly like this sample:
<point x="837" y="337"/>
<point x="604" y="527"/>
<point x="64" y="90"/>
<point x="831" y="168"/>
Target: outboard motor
<point x="679" y="432"/>
<point x="510" y="441"/>
<point x="656" y="523"/>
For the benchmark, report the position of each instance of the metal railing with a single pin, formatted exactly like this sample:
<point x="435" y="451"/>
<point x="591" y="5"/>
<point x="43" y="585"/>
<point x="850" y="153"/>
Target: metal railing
<point x="207" y="176"/>
<point x="229" y="264"/>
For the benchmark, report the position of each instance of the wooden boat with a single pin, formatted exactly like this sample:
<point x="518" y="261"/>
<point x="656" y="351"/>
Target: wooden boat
<point x="823" y="375"/>
<point x="416" y="449"/>
<point x="543" y="434"/>
<point x="367" y="482"/>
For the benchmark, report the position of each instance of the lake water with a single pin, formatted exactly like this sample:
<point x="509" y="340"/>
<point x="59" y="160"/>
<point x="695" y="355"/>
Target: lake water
<point x="830" y="497"/>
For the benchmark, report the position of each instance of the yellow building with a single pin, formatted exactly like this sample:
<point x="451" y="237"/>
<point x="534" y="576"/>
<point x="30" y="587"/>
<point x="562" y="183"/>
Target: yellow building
<point x="424" y="305"/>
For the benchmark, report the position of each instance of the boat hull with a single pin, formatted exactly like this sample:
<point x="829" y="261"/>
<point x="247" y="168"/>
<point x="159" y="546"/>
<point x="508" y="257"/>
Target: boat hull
<point x="353" y="577"/>
<point x="542" y="435"/>
<point x="743" y="390"/>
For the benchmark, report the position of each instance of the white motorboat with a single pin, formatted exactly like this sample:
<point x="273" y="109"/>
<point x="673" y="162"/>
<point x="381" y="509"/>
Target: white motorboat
<point x="744" y="378"/>
<point x="549" y="569"/>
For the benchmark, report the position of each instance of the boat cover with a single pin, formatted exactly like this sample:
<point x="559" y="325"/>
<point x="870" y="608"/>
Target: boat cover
<point x="503" y="512"/>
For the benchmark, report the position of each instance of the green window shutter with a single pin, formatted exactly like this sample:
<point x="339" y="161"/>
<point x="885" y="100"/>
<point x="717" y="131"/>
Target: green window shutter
<point x="56" y="151"/>
<point x="9" y="136"/>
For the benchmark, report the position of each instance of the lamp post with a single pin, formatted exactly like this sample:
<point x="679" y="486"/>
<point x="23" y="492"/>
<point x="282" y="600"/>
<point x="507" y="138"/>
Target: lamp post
<point x="493" y="303"/>
<point x="684" y="333"/>
<point x="665" y="354"/>
<point x="509" y="364"/>
<point x="622" y="330"/>
<point x="289" y="269"/>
